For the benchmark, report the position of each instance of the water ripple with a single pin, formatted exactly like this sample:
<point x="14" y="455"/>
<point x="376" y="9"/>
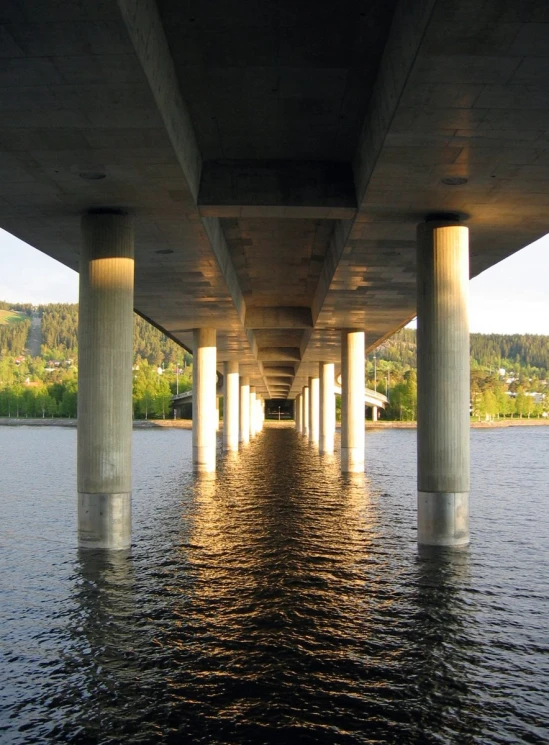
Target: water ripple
<point x="279" y="602"/>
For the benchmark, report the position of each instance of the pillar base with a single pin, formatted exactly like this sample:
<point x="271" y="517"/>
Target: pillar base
<point x="326" y="444"/>
<point x="443" y="518"/>
<point x="104" y="520"/>
<point x="203" y="459"/>
<point x="352" y="460"/>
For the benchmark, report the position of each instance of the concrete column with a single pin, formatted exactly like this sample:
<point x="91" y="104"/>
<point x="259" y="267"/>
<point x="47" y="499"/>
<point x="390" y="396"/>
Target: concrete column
<point x="217" y="416"/>
<point x="374" y="413"/>
<point x="231" y="390"/>
<point x="105" y="341"/>
<point x="204" y="399"/>
<point x="352" y="401"/>
<point x="327" y="407"/>
<point x="305" y="412"/>
<point x="260" y="414"/>
<point x="313" y="410"/>
<point x="244" y="435"/>
<point x="253" y="430"/>
<point x="443" y="383"/>
<point x="298" y="403"/>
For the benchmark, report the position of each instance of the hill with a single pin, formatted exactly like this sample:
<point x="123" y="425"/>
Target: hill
<point x="508" y="371"/>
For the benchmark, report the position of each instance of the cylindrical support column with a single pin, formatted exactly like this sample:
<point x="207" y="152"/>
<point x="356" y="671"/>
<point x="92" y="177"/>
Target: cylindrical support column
<point x="352" y="401"/>
<point x="374" y="413"/>
<point x="443" y="383"/>
<point x="204" y="399"/>
<point x="217" y="416"/>
<point x="327" y="407"/>
<point x="313" y="410"/>
<point x="253" y="430"/>
<point x="260" y="414"/>
<point x="244" y="435"/>
<point x="231" y="394"/>
<point x="105" y="341"/>
<point x="305" y="412"/>
<point x="298" y="404"/>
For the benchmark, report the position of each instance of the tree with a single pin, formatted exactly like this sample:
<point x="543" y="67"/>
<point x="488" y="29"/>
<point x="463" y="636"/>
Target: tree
<point x="163" y="398"/>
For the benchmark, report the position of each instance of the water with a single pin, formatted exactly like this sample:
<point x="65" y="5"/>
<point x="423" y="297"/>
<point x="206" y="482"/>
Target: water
<point x="279" y="603"/>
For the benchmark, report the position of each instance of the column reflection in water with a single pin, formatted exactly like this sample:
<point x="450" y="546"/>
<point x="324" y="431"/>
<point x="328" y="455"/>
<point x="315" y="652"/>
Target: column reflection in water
<point x="103" y="666"/>
<point x="269" y="549"/>
<point x="440" y="648"/>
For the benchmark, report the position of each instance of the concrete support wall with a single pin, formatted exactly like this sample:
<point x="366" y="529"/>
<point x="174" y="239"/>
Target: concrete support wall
<point x="352" y="401"/>
<point x="313" y="410"/>
<point x="105" y="340"/>
<point x="244" y="434"/>
<point x="374" y="413"/>
<point x="253" y="430"/>
<point x="443" y="383"/>
<point x="231" y="412"/>
<point x="204" y="399"/>
<point x="305" y="412"/>
<point x="327" y="407"/>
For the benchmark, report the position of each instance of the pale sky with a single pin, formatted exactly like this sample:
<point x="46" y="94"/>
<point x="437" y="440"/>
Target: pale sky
<point x="511" y="297"/>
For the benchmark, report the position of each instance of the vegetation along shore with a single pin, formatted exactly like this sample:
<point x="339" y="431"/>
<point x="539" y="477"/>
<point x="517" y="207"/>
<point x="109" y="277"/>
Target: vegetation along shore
<point x="39" y="370"/>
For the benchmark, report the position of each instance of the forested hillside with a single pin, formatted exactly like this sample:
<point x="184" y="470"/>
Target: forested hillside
<point x="508" y="372"/>
<point x="46" y="385"/>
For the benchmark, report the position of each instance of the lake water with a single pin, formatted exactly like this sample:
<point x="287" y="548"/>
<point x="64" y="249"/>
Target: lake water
<point x="278" y="603"/>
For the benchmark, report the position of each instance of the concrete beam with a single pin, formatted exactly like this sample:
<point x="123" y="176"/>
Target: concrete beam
<point x="279" y="317"/>
<point x="279" y="354"/>
<point x="282" y="372"/>
<point x="314" y="190"/>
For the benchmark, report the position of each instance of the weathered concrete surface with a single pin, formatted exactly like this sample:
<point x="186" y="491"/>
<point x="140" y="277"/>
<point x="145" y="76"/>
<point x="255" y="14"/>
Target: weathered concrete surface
<point x="105" y="340"/>
<point x="276" y="158"/>
<point x="443" y="383"/>
<point x="205" y="415"/>
<point x="327" y="408"/>
<point x="231" y="405"/>
<point x="352" y="401"/>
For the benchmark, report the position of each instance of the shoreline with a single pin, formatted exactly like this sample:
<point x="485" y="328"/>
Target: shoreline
<point x="187" y="423"/>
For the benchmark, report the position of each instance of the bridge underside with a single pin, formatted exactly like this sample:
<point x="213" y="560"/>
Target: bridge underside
<point x="276" y="156"/>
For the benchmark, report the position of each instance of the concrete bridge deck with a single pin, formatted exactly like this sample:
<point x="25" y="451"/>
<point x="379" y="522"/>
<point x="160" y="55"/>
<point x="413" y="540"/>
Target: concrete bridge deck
<point x="276" y="157"/>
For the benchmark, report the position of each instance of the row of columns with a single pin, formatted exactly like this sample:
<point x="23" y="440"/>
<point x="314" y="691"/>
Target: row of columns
<point x="105" y="386"/>
<point x="315" y="406"/>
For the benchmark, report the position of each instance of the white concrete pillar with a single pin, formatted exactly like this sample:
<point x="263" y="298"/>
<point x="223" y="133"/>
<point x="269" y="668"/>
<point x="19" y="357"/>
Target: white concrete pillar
<point x="244" y="435"/>
<point x="260" y="414"/>
<point x="105" y="340"/>
<point x="217" y="416"/>
<point x="313" y="410"/>
<point x="231" y="391"/>
<point x="374" y="413"/>
<point x="253" y="430"/>
<point x="204" y="399"/>
<point x="352" y="401"/>
<point x="298" y="403"/>
<point x="327" y="407"/>
<point x="305" y="412"/>
<point x="443" y="383"/>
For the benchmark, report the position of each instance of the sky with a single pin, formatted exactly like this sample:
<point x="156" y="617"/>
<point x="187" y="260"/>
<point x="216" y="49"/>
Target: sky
<point x="510" y="298"/>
